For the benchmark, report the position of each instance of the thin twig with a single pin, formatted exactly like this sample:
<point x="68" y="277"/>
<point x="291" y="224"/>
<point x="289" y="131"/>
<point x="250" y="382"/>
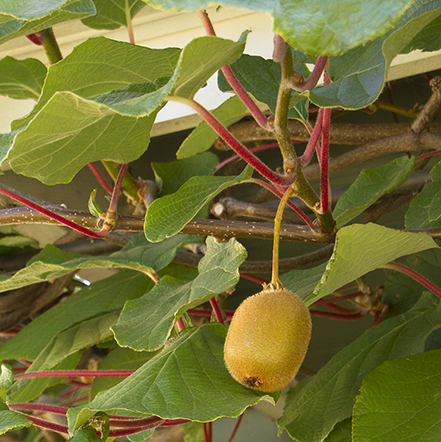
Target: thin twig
<point x="232" y="80"/>
<point x="276" y="241"/>
<point x="235" y="144"/>
<point x="100" y="178"/>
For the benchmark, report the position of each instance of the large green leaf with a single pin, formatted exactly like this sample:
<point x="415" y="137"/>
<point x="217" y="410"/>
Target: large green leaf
<point x="71" y="132"/>
<point x="303" y="281"/>
<point x="100" y="65"/>
<point x="261" y="78"/>
<point x="424" y="209"/>
<point x="358" y="76"/>
<point x="319" y="27"/>
<point x="10" y="420"/>
<point x="317" y="403"/>
<point x="67" y="129"/>
<point x="26" y="17"/>
<point x="155" y="255"/>
<point x="361" y="248"/>
<point x="166" y="216"/>
<point x="100" y="297"/>
<point x="400" y="400"/>
<point x="21" y="79"/>
<point x="203" y="137"/>
<point x="127" y="84"/>
<point x="68" y="343"/>
<point x="428" y="39"/>
<point x="119" y="359"/>
<point x="200" y="59"/>
<point x="174" y="384"/>
<point x="112" y="14"/>
<point x="370" y="185"/>
<point x="342" y="432"/>
<point x="53" y="263"/>
<point x="146" y="323"/>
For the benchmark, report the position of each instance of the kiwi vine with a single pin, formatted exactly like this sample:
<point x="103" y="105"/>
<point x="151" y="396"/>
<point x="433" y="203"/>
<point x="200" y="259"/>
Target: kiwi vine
<point x="299" y="218"/>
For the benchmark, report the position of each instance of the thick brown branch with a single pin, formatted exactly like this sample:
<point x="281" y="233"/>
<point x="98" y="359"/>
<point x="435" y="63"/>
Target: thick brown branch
<point x="430" y="109"/>
<point x="340" y="133"/>
<point x="399" y="143"/>
<point x="218" y="228"/>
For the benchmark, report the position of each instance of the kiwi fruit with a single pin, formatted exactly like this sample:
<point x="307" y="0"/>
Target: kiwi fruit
<point x="267" y="340"/>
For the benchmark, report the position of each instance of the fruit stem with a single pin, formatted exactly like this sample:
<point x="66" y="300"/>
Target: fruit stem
<point x="289" y="203"/>
<point x="277" y="224"/>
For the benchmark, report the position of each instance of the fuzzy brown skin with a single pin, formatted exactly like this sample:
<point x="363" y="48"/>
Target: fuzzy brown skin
<point x="267" y="340"/>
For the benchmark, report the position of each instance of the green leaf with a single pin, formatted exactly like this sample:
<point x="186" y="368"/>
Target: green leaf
<point x="53" y="263"/>
<point x="99" y="66"/>
<point x="199" y="60"/>
<point x="358" y="76"/>
<point x="87" y="434"/>
<point x="93" y="206"/>
<point x="361" y="248"/>
<point x="424" y="208"/>
<point x="194" y="432"/>
<point x="428" y="39"/>
<point x="66" y="130"/>
<point x="172" y="175"/>
<point x="314" y="27"/>
<point x="119" y="359"/>
<point x="166" y="216"/>
<point x="10" y="420"/>
<point x="113" y="14"/>
<point x="22" y="18"/>
<point x="319" y="402"/>
<point x="155" y="255"/>
<point x="6" y="141"/>
<point x="203" y="137"/>
<point x="370" y="185"/>
<point x="21" y="79"/>
<point x="174" y="384"/>
<point x="400" y="400"/>
<point x="342" y="432"/>
<point x="303" y="282"/>
<point x="68" y="343"/>
<point x="146" y="323"/>
<point x="100" y="297"/>
<point x="261" y="78"/>
<point x="70" y="132"/>
<point x="6" y="380"/>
